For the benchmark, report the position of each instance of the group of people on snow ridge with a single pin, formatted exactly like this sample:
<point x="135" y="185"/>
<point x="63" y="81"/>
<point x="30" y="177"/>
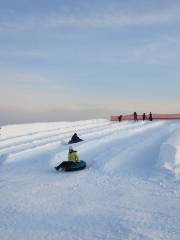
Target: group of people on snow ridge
<point x="144" y="117"/>
<point x="135" y="116"/>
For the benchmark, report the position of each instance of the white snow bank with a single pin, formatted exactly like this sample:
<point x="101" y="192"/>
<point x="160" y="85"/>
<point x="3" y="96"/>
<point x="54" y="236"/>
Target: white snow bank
<point x="169" y="157"/>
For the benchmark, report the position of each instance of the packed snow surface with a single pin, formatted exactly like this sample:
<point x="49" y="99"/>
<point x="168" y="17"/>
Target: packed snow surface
<point x="130" y="189"/>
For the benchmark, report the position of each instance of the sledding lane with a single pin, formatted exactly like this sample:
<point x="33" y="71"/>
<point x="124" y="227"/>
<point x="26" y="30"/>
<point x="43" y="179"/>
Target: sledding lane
<point x="12" y="132"/>
<point x="87" y="133"/>
<point x="119" y="139"/>
<point x="136" y="156"/>
<point x="43" y="134"/>
<point x="28" y="141"/>
<point x="99" y="132"/>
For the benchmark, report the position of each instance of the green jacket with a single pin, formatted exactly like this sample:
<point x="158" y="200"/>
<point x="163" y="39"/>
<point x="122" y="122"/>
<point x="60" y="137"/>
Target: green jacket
<point x="73" y="156"/>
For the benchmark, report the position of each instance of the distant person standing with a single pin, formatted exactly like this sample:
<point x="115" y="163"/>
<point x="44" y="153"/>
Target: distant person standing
<point x="144" y="116"/>
<point x="120" y="118"/>
<point x="150" y="116"/>
<point x="135" y="116"/>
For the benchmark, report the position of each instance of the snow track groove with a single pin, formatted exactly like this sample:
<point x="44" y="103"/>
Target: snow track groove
<point x="38" y="135"/>
<point x="119" y="140"/>
<point x="39" y="141"/>
<point x="87" y="132"/>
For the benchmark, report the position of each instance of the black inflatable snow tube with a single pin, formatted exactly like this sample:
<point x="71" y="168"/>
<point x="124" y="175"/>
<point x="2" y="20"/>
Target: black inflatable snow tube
<point x="72" y="166"/>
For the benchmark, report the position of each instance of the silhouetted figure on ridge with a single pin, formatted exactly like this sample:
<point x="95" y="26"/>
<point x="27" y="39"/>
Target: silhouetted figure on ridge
<point x="144" y="116"/>
<point x="150" y="116"/>
<point x="120" y="118"/>
<point x="135" y="116"/>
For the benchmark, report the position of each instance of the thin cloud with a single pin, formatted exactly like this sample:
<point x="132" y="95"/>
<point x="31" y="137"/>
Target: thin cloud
<point x="16" y="26"/>
<point x="162" y="51"/>
<point x="28" y="53"/>
<point x="14" y="78"/>
<point x="120" y="19"/>
<point x="24" y="54"/>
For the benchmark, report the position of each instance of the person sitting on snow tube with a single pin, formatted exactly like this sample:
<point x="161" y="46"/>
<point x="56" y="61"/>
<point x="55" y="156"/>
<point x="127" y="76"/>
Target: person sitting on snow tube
<point x="73" y="157"/>
<point x="75" y="139"/>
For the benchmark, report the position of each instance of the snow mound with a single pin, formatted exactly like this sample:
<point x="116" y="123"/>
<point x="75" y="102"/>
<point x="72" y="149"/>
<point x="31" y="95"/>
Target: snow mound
<point x="169" y="157"/>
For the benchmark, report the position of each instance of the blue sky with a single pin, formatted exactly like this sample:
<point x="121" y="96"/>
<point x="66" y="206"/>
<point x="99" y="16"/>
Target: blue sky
<point x="70" y="60"/>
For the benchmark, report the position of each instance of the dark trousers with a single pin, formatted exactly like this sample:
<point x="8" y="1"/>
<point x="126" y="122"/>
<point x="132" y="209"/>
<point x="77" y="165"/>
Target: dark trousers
<point x="62" y="165"/>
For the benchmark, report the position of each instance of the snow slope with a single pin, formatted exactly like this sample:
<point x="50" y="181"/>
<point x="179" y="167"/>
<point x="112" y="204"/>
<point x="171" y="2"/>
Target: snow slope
<point x="129" y="190"/>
